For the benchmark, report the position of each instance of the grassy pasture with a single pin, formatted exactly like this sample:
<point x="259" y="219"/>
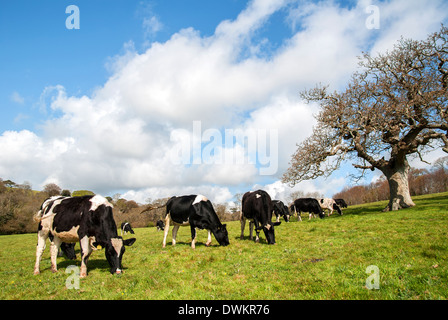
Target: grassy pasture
<point x="317" y="259"/>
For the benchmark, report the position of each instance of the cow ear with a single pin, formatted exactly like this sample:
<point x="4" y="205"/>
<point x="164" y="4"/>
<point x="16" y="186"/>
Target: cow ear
<point x="276" y="223"/>
<point x="129" y="242"/>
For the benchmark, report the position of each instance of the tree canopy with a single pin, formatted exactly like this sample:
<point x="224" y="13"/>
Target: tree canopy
<point x="394" y="106"/>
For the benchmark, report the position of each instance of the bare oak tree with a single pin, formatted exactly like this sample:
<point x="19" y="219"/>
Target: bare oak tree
<point x="393" y="107"/>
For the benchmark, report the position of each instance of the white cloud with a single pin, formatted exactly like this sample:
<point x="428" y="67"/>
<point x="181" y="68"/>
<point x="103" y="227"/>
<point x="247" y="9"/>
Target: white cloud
<point x="215" y="194"/>
<point x="17" y="98"/>
<point x="151" y="25"/>
<point x="408" y="19"/>
<point x="123" y="136"/>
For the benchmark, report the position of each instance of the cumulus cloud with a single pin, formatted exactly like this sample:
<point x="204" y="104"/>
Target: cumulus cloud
<point x="130" y="133"/>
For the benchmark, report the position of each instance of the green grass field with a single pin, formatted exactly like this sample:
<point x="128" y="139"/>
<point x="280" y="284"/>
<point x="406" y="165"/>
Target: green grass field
<point x="317" y="259"/>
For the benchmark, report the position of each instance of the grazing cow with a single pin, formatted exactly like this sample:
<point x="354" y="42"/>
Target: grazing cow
<point x="257" y="208"/>
<point x="68" y="249"/>
<point x="87" y="219"/>
<point x="329" y="204"/>
<point x="160" y="225"/>
<point x="341" y="203"/>
<point x="125" y="228"/>
<point x="309" y="205"/>
<point x="196" y="211"/>
<point x="280" y="210"/>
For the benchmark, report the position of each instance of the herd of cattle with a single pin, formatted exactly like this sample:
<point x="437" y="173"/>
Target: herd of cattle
<point x="89" y="221"/>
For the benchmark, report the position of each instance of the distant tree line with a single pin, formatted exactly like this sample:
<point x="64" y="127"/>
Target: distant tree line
<point x="18" y="204"/>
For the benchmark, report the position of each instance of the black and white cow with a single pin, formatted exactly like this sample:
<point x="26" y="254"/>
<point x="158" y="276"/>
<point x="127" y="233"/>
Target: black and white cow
<point x="87" y="219"/>
<point x="125" y="228"/>
<point x="280" y="210"/>
<point x="309" y="205"/>
<point x="160" y="225"/>
<point x="257" y="208"/>
<point x="329" y="204"/>
<point x="67" y="249"/>
<point x="196" y="211"/>
<point x="341" y="203"/>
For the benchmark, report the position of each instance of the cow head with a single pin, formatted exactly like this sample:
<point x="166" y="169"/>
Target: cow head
<point x="321" y="213"/>
<point x="221" y="235"/>
<point x="268" y="230"/>
<point x="128" y="228"/>
<point x="69" y="250"/>
<point x="160" y="224"/>
<point x="114" y="249"/>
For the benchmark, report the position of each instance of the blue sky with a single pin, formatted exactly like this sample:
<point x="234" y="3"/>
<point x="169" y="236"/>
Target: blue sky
<point x="101" y="107"/>
<point x="38" y="50"/>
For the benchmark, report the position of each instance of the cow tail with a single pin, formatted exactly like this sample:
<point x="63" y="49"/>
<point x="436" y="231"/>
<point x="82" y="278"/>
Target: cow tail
<point x="37" y="217"/>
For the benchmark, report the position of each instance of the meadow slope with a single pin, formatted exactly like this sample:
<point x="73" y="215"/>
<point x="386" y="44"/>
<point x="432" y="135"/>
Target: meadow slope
<point x="317" y="259"/>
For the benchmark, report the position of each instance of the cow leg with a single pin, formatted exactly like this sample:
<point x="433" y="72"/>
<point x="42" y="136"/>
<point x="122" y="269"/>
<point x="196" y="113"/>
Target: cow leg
<point x="193" y="236"/>
<point x="277" y="219"/>
<point x="86" y="250"/>
<point x="41" y="239"/>
<point x="54" y="248"/>
<point x="243" y="225"/>
<point x="251" y="229"/>
<point x="167" y="228"/>
<point x="175" y="228"/>
<point x="209" y="239"/>
<point x="257" y="232"/>
<point x="299" y="215"/>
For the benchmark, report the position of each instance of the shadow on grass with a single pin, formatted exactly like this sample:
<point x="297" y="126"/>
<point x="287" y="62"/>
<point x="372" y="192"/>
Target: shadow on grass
<point x="247" y="238"/>
<point x="188" y="244"/>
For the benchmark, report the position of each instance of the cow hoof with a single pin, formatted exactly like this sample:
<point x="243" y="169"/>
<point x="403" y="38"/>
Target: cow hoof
<point x="208" y="244"/>
<point x="36" y="273"/>
<point x="83" y="275"/>
<point x="54" y="270"/>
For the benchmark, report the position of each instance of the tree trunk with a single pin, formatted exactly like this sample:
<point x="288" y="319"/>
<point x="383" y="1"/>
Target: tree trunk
<point x="397" y="177"/>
